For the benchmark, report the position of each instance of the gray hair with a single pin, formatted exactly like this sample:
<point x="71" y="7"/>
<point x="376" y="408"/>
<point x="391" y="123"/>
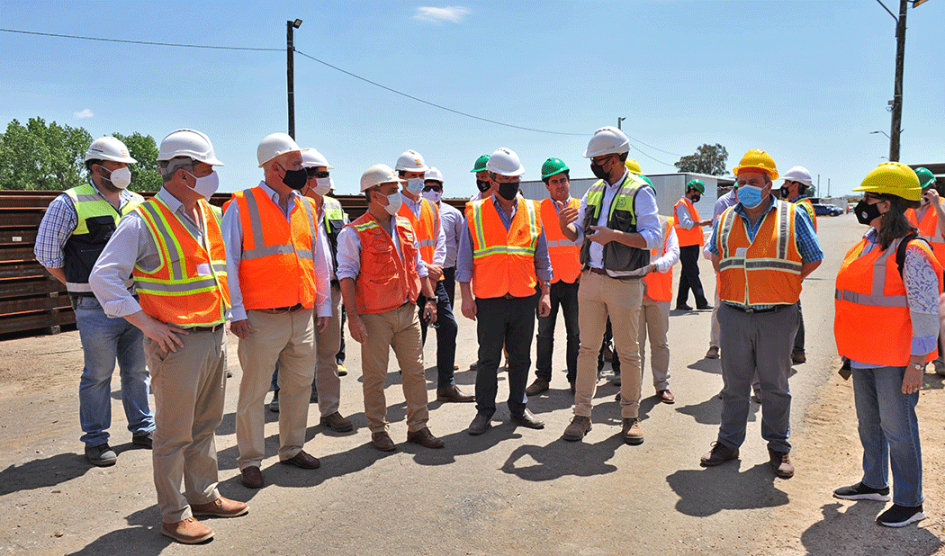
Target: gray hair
<point x="168" y="167"/>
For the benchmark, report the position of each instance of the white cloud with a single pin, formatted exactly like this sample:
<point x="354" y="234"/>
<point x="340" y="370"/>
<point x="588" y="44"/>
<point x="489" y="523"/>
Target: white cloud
<point x="83" y="114"/>
<point x="452" y="14"/>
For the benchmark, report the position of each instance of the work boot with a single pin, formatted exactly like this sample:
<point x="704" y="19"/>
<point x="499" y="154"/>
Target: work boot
<point x="578" y="428"/>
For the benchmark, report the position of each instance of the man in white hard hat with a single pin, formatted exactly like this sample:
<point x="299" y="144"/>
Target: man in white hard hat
<point x="278" y="275"/>
<point x="794" y="190"/>
<point x="503" y="257"/>
<point x="453" y="224"/>
<point x="382" y="275"/>
<point x="424" y="216"/>
<point x="183" y="301"/>
<point x="326" y="389"/>
<point x="72" y="234"/>
<point x="618" y="225"/>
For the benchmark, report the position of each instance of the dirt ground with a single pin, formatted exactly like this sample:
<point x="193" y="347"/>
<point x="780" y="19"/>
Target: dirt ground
<point x="511" y="490"/>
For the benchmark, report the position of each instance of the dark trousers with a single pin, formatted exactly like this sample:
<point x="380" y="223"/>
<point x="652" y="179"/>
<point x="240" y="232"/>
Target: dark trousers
<point x="509" y="322"/>
<point x="799" y="337"/>
<point x="689" y="277"/>
<point x="445" y="334"/>
<point x="449" y="282"/>
<point x="614" y="358"/>
<point x="340" y="358"/>
<point x="563" y="295"/>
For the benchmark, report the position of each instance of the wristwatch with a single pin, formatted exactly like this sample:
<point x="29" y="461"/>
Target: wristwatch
<point x="918" y="367"/>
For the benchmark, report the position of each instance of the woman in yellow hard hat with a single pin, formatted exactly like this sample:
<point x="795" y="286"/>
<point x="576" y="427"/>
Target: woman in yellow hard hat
<point x="886" y="326"/>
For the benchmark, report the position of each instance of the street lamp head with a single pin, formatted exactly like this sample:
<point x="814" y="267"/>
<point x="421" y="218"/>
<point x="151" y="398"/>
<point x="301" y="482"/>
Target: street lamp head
<point x="297" y="23"/>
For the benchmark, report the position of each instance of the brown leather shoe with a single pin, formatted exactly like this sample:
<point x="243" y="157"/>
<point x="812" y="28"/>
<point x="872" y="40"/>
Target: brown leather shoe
<point x="666" y="396"/>
<point x="579" y="427"/>
<point x="713" y="353"/>
<point x="480" y="424"/>
<point x="798" y="357"/>
<point x="188" y="531"/>
<point x="337" y="423"/>
<point x="719" y="454"/>
<point x="632" y="433"/>
<point x="303" y="460"/>
<point x="528" y="419"/>
<point x="221" y="507"/>
<point x="452" y="393"/>
<point x="540" y="385"/>
<point x="382" y="441"/>
<point x="474" y="366"/>
<point x="781" y="463"/>
<point x="251" y="477"/>
<point x="424" y="438"/>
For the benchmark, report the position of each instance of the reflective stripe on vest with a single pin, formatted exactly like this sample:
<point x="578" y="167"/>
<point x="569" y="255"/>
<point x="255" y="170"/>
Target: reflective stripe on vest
<point x="694" y="235"/>
<point x="565" y="254"/>
<point x="928" y="230"/>
<point x="504" y="260"/>
<point x="279" y="249"/>
<point x="180" y="291"/>
<point x="427" y="227"/>
<point x="750" y="279"/>
<point x="805" y="202"/>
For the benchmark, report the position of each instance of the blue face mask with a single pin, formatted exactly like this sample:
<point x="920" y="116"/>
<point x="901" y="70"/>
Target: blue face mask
<point x="749" y="196"/>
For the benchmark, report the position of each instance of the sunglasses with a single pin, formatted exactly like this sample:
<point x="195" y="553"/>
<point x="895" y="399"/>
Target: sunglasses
<point x="433" y="188"/>
<point x="313" y="173"/>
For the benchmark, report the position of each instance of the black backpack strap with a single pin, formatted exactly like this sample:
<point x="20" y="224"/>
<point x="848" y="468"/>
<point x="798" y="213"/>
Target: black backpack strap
<point x="901" y="249"/>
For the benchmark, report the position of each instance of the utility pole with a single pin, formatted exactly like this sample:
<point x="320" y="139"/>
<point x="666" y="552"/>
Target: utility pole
<point x="897" y="92"/>
<point x="618" y="122"/>
<point x="290" y="71"/>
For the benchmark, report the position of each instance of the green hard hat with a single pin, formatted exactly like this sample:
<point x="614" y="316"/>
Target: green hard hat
<point x="697" y="185"/>
<point x="553" y="166"/>
<point x="647" y="180"/>
<point x="480" y="163"/>
<point x="926" y="178"/>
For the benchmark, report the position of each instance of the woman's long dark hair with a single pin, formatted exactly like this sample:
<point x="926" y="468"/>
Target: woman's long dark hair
<point x="894" y="224"/>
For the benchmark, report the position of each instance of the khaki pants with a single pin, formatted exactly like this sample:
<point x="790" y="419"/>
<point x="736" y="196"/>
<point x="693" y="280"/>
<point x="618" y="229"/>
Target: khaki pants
<point x="654" y="322"/>
<point x="288" y="338"/>
<point x="600" y="297"/>
<point x="399" y="329"/>
<point x="327" y="344"/>
<point x="715" y="331"/>
<point x="189" y="387"/>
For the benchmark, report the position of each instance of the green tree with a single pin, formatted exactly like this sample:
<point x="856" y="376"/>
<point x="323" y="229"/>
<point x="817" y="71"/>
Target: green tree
<point x="708" y="159"/>
<point x="144" y="174"/>
<point x="37" y="156"/>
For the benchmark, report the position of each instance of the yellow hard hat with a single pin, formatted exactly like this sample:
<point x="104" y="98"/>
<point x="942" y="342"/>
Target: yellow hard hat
<point x="892" y="178"/>
<point x="633" y="166"/>
<point x="757" y="159"/>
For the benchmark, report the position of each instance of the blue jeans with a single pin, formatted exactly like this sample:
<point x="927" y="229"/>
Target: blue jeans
<point x="103" y="341"/>
<point x="446" y="330"/>
<point x="564" y="295"/>
<point x="889" y="431"/>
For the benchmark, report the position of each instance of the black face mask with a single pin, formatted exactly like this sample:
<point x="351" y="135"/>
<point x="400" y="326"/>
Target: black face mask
<point x="785" y="192"/>
<point x="865" y="212"/>
<point x="599" y="171"/>
<point x="483" y="185"/>
<point x="295" y="179"/>
<point x="507" y="190"/>
<point x="696" y="198"/>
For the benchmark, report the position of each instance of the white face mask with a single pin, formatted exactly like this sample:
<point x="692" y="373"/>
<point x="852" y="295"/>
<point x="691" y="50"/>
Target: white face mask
<point x="433" y="196"/>
<point x="206" y="185"/>
<point x="394" y="201"/>
<point x="323" y="186"/>
<point x="120" y="178"/>
<point x="415" y="185"/>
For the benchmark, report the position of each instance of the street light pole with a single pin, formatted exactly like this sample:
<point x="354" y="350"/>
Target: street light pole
<point x="290" y="71"/>
<point x="897" y="93"/>
<point x="618" y="122"/>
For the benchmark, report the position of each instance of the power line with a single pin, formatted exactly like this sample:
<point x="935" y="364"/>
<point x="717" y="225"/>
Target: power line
<point x="149" y="43"/>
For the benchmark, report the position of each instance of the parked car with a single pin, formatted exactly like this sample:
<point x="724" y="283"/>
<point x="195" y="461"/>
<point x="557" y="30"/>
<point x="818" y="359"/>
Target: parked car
<point x="827" y="210"/>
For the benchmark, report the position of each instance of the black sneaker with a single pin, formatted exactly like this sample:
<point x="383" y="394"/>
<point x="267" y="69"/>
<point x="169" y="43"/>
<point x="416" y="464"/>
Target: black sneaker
<point x="900" y="516"/>
<point x="145" y="440"/>
<point x="274" y="404"/>
<point x="101" y="455"/>
<point x="859" y="491"/>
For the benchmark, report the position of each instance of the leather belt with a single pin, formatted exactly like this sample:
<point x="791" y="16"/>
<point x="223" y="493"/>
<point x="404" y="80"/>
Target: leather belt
<point x="749" y="310"/>
<point x="280" y="310"/>
<point x="600" y="271"/>
<point x="205" y="328"/>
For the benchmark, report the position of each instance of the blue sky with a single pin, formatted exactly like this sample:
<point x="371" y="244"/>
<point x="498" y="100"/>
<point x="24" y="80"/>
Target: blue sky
<point x="805" y="80"/>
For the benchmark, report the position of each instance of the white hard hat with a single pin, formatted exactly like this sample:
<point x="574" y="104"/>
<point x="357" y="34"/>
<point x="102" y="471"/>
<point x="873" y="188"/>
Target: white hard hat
<point x="411" y="161"/>
<point x="311" y="158"/>
<point x="377" y="175"/>
<point x="799" y="174"/>
<point x="607" y="140"/>
<point x="189" y="143"/>
<point x="109" y="148"/>
<point x="273" y="145"/>
<point x="505" y="163"/>
<point x="433" y="174"/>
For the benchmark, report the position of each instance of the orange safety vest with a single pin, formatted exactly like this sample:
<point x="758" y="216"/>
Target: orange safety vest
<point x="692" y="236"/>
<point x="504" y="261"/>
<point x="872" y="323"/>
<point x="277" y="266"/>
<point x="928" y="230"/>
<point x="766" y="271"/>
<point x="805" y="202"/>
<point x="565" y="254"/>
<point x="659" y="285"/>
<point x="427" y="227"/>
<point x="386" y="278"/>
<point x="189" y="288"/>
